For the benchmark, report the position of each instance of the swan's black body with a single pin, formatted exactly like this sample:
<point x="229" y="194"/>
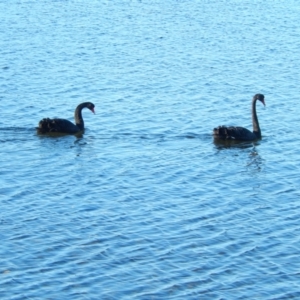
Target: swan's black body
<point x="241" y="133"/>
<point x="65" y="126"/>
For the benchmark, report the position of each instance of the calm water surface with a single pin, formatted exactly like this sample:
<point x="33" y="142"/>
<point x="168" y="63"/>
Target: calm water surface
<point x="145" y="205"/>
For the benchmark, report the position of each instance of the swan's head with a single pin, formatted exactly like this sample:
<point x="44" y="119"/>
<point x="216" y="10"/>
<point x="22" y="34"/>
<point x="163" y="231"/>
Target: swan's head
<point x="90" y="106"/>
<point x="261" y="98"/>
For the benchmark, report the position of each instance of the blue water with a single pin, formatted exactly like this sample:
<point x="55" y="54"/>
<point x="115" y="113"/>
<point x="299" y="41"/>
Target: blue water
<point x="146" y="205"/>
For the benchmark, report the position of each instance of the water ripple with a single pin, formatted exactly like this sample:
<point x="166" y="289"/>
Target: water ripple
<point x="145" y="204"/>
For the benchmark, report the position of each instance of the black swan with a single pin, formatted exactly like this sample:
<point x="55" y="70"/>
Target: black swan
<point x="65" y="126"/>
<point x="241" y="133"/>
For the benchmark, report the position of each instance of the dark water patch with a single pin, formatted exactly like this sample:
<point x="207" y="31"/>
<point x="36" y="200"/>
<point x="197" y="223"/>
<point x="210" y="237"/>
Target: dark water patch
<point x="151" y="137"/>
<point x="225" y="144"/>
<point x="12" y="130"/>
<point x="58" y="135"/>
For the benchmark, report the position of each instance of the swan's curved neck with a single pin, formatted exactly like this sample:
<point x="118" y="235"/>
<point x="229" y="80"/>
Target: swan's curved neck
<point x="256" y="128"/>
<point x="78" y="116"/>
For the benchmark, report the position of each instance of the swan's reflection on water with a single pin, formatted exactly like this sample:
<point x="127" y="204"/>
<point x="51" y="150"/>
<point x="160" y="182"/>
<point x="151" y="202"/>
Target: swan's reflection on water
<point x="254" y="161"/>
<point x="78" y="135"/>
<point x="225" y="144"/>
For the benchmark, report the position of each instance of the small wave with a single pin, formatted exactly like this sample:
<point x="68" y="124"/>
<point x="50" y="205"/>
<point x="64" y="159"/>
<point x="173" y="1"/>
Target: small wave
<point x="15" y="134"/>
<point x="153" y="136"/>
<point x="15" y="129"/>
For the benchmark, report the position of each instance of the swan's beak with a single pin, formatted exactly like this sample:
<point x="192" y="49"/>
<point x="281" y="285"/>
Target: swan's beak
<point x="263" y="102"/>
<point x="93" y="111"/>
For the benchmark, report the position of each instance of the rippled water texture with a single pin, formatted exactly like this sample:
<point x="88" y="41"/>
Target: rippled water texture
<point x="145" y="205"/>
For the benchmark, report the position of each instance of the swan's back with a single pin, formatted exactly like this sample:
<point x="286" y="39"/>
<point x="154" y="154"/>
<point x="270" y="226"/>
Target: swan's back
<point x="57" y="125"/>
<point x="234" y="133"/>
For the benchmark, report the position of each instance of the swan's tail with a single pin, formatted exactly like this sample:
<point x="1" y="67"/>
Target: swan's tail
<point x="48" y="125"/>
<point x="223" y="132"/>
